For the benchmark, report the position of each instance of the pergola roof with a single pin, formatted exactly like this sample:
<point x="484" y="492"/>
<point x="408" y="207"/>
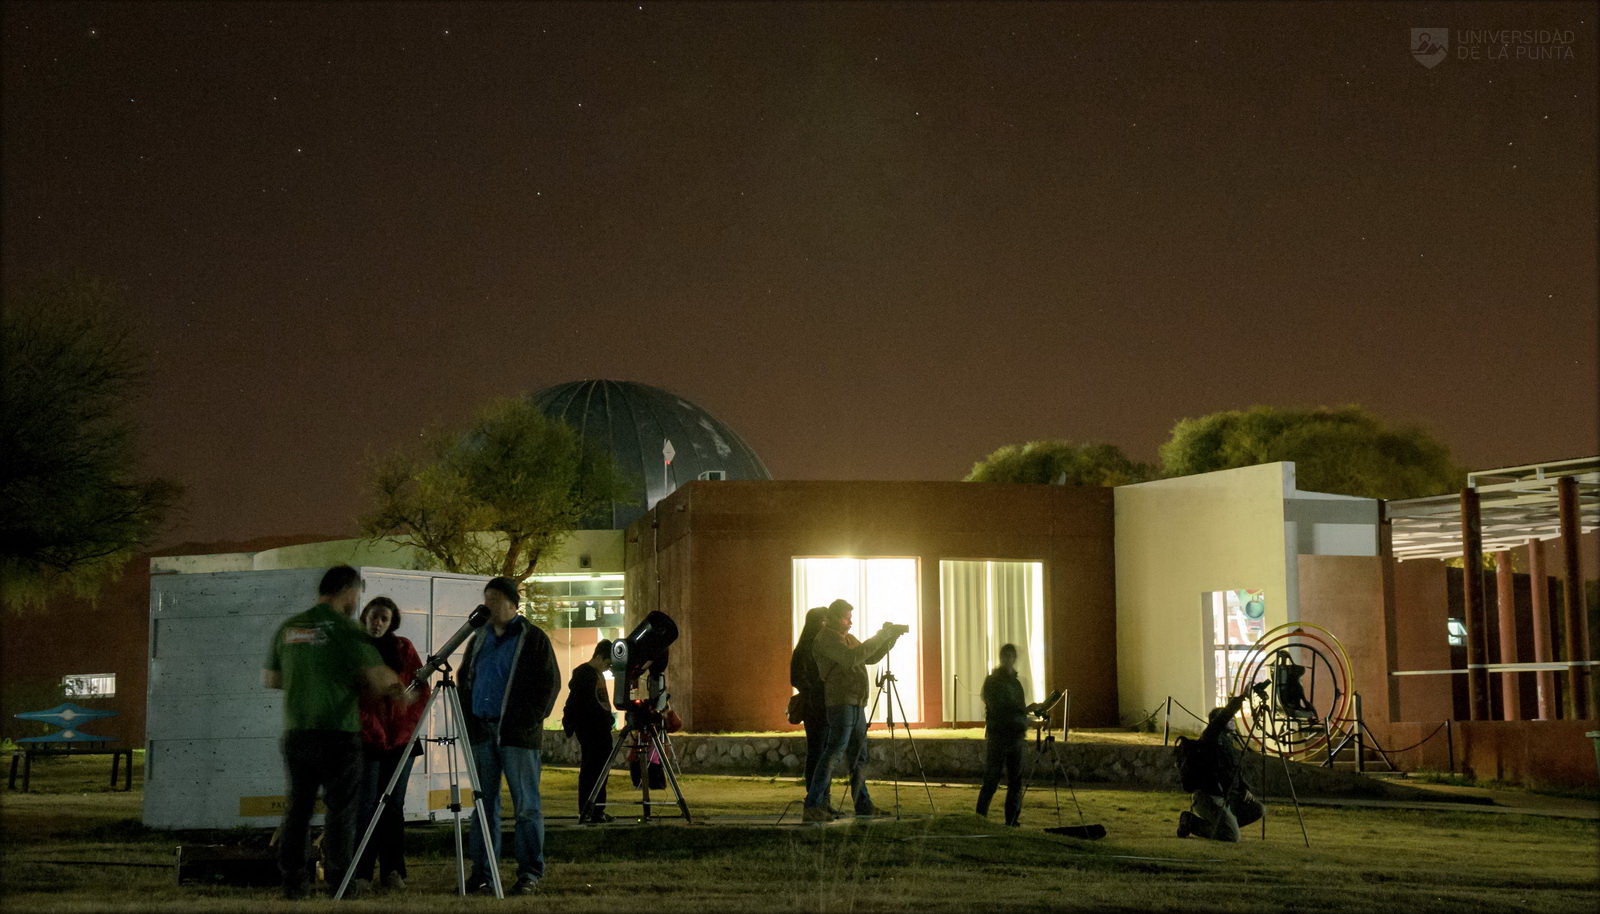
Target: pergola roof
<point x="1516" y="504"/>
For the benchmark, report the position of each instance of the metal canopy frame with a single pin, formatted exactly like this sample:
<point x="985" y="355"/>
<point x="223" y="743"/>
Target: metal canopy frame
<point x="1525" y="506"/>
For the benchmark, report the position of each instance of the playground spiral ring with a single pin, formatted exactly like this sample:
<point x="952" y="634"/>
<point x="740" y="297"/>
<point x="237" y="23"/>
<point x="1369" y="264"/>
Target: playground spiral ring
<point x="1306" y="705"/>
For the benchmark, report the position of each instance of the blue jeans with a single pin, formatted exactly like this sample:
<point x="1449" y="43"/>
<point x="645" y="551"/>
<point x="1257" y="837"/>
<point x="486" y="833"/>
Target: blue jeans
<point x="521" y="770"/>
<point x="847" y="739"/>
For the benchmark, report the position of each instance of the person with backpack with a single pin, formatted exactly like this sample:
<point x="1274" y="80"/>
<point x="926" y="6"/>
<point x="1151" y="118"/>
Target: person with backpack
<point x="1211" y="768"/>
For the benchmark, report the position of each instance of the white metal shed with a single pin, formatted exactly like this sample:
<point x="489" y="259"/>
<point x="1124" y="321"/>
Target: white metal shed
<point x="212" y="757"/>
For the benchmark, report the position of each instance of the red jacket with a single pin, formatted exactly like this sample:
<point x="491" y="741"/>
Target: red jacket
<point x="385" y="722"/>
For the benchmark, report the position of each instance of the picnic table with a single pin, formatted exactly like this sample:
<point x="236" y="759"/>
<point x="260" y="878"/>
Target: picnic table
<point x="68" y="740"/>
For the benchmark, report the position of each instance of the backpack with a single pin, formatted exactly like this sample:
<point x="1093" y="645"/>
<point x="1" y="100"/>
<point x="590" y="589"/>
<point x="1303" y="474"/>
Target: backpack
<point x="1198" y="768"/>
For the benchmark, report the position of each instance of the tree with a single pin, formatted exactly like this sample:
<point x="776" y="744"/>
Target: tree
<point x="1345" y="451"/>
<point x="495" y="498"/>
<point x="1059" y="462"/>
<point x="74" y="509"/>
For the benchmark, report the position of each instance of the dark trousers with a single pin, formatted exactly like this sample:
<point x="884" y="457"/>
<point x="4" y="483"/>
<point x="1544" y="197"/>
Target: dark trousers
<point x="388" y="844"/>
<point x="329" y="760"/>
<point x="596" y="747"/>
<point x="1003" y="754"/>
<point x="816" y="732"/>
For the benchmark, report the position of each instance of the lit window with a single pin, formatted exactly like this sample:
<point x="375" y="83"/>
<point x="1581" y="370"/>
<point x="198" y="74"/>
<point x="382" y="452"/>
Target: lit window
<point x="881" y="590"/>
<point x="983" y="605"/>
<point x="90" y="685"/>
<point x="1456" y="632"/>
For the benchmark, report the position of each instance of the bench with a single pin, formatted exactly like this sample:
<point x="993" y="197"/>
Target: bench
<point x="69" y="740"/>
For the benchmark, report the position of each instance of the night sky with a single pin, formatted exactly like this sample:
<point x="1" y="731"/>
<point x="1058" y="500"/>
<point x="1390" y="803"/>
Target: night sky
<point x="878" y="240"/>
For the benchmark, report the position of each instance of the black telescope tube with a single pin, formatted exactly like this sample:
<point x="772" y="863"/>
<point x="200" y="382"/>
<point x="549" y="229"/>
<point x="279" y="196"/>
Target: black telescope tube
<point x="437" y="659"/>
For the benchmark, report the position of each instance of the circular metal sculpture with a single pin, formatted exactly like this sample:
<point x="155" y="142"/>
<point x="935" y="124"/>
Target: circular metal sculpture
<point x="1298" y="678"/>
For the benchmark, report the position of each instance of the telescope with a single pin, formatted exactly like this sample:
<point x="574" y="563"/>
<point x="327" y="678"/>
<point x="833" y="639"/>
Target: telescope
<point x="643" y="651"/>
<point x="439" y="658"/>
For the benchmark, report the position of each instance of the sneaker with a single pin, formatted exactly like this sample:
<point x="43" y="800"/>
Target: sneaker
<point x="295" y="891"/>
<point x="599" y="818"/>
<point x="526" y="885"/>
<point x="816" y="814"/>
<point x="479" y="884"/>
<point x="871" y="809"/>
<point x="394" y="882"/>
<point x="356" y="889"/>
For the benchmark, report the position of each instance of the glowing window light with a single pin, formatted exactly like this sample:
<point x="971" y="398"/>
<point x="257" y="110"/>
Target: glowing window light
<point x="881" y="590"/>
<point x="982" y="605"/>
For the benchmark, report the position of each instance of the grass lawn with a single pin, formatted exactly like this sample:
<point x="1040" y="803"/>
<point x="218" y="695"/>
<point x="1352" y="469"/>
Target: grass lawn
<point x="58" y="843"/>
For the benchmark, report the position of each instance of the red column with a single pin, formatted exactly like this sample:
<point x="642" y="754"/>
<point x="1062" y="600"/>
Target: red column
<point x="1472" y="594"/>
<point x="1546" y="679"/>
<point x="1576" y="636"/>
<point x="1506" y="608"/>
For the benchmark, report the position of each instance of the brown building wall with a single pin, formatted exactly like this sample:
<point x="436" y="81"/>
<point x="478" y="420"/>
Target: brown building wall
<point x="68" y="635"/>
<point x="1344" y="594"/>
<point x="109" y="633"/>
<point x="725" y="551"/>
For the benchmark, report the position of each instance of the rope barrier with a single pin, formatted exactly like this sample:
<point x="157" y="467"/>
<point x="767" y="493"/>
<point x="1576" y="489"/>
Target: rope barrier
<point x="1148" y="718"/>
<point x="1189" y="712"/>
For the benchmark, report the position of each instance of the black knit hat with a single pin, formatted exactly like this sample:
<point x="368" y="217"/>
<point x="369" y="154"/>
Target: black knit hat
<point x="507" y="587"/>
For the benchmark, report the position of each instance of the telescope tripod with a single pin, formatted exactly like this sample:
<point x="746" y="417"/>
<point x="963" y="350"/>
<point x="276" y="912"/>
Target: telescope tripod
<point x="1288" y="778"/>
<point x="644" y="734"/>
<point x="453" y="733"/>
<point x="889" y="693"/>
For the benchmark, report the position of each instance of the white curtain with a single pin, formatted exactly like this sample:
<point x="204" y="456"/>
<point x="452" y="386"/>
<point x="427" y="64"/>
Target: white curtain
<point x="881" y="590"/>
<point x="984" y="605"/>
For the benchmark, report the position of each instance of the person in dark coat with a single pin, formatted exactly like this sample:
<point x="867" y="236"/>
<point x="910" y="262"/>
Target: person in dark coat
<point x="509" y="682"/>
<point x="386" y="728"/>
<point x="1005" y="730"/>
<point x="1212" y="767"/>
<point x="807" y="683"/>
<point x="587" y="716"/>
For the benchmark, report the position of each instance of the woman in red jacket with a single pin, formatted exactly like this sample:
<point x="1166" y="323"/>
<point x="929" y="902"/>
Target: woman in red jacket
<point x="386" y="727"/>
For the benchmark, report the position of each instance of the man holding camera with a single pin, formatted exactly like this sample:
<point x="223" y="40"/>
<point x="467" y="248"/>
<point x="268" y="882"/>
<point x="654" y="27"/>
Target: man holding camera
<point x="509" y="681"/>
<point x="323" y="661"/>
<point x="842" y="665"/>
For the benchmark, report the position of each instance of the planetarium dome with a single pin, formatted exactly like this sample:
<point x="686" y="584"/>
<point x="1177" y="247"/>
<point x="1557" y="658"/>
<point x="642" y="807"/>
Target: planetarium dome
<point x="634" y="423"/>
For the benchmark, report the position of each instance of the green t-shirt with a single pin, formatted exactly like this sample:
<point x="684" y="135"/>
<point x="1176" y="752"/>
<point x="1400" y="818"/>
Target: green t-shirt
<point x="320" y="654"/>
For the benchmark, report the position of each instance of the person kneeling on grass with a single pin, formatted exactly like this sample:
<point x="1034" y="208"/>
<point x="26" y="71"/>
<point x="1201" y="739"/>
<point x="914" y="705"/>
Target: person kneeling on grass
<point x="1210" y="767"/>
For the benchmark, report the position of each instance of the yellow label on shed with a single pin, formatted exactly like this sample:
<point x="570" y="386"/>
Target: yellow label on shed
<point x="440" y="799"/>
<point x="272" y="806"/>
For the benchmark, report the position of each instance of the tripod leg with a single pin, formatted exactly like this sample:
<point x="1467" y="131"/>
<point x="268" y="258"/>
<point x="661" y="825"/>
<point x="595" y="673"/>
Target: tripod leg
<point x="642" y="740"/>
<point x="605" y="773"/>
<point x="480" y="803"/>
<point x="672" y="779"/>
<point x="1295" y="797"/>
<point x="895" y="696"/>
<point x="383" y="799"/>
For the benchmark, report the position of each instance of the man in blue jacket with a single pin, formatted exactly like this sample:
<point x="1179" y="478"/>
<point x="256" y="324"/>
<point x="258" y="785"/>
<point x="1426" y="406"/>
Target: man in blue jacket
<point x="509" y="681"/>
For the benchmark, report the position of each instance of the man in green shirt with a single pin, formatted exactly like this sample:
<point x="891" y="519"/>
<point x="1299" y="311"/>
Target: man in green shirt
<point x="323" y="661"/>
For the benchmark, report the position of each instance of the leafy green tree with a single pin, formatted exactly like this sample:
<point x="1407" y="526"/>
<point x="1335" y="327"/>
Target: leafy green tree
<point x="1346" y="451"/>
<point x="495" y="498"/>
<point x="1059" y="462"/>
<point x="74" y="509"/>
